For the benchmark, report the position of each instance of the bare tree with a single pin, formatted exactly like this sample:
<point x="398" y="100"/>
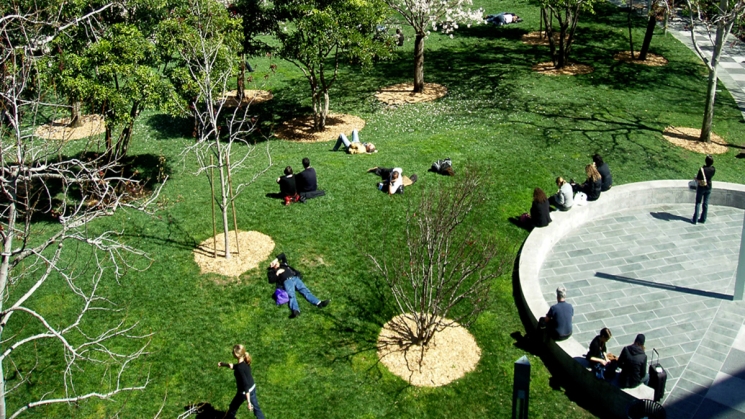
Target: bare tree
<point x="207" y="39"/>
<point x="51" y="193"/>
<point x="440" y="270"/>
<point x="726" y="15"/>
<point x="566" y="13"/>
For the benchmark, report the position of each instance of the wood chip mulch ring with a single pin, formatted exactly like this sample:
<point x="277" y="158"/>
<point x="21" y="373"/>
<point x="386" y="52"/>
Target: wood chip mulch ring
<point x="538" y="38"/>
<point x="688" y="139"/>
<point x="450" y="354"/>
<point x="58" y="130"/>
<point x="572" y="69"/>
<point x="300" y="129"/>
<point x="254" y="248"/>
<point x="403" y="93"/>
<point x="250" y="97"/>
<point x="653" y="60"/>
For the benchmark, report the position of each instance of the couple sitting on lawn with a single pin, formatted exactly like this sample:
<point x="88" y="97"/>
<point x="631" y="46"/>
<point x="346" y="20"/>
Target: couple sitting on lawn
<point x="298" y="188"/>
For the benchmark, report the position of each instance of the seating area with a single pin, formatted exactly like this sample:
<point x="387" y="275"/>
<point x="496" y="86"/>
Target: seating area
<point x="569" y="354"/>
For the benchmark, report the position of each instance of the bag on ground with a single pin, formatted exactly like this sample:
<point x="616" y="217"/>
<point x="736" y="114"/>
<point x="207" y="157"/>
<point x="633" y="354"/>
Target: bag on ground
<point x="580" y="198"/>
<point x="657" y="377"/>
<point x="281" y="296"/>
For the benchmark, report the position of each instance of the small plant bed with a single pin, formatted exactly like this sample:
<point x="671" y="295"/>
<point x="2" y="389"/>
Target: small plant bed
<point x="60" y="130"/>
<point x="300" y="129"/>
<point x="250" y="97"/>
<point x="653" y="60"/>
<point x="450" y="355"/>
<point x="688" y="139"/>
<point x="538" y="38"/>
<point x="573" y="69"/>
<point x="399" y="94"/>
<point x="252" y="248"/>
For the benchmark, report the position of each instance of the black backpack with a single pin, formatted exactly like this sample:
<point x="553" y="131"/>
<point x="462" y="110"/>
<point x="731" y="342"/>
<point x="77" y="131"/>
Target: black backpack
<point x="442" y="166"/>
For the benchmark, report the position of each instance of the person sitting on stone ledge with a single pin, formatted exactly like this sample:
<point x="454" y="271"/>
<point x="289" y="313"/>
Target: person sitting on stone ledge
<point x="539" y="211"/>
<point x="564" y="197"/>
<point x="558" y="321"/>
<point x="592" y="186"/>
<point x="633" y="363"/>
<point x="603" y="363"/>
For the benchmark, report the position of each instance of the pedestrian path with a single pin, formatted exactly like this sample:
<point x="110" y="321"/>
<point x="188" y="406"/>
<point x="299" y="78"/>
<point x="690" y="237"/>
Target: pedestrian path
<point x="649" y="270"/>
<point x="731" y="68"/>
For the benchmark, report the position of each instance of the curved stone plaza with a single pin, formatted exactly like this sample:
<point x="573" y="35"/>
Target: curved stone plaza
<point x="647" y="269"/>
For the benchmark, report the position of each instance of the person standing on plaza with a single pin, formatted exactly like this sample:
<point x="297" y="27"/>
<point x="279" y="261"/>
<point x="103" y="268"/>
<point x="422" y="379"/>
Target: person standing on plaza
<point x="703" y="189"/>
<point x="244" y="380"/>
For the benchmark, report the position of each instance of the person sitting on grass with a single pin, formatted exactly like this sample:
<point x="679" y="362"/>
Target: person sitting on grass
<point x="280" y="272"/>
<point x="307" y="182"/>
<point x="355" y="146"/>
<point x="592" y="186"/>
<point x="563" y="199"/>
<point x="602" y="363"/>
<point x="539" y="211"/>
<point x="287" y="187"/>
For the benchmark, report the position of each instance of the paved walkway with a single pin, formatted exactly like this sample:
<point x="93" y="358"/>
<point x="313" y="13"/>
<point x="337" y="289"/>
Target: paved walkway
<point x="651" y="271"/>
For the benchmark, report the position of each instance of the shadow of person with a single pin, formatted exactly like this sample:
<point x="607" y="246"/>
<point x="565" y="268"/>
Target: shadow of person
<point x="528" y="343"/>
<point x="516" y="221"/>
<point x="666" y="216"/>
<point x="205" y="411"/>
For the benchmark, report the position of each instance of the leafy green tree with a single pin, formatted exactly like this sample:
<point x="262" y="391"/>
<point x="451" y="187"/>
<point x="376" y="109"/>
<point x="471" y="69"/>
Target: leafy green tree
<point x="566" y="14"/>
<point x="316" y="34"/>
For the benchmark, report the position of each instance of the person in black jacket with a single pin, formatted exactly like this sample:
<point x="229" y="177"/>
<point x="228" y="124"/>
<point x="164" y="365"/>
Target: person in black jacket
<point x="604" y="170"/>
<point x="600" y="359"/>
<point x="705" y="173"/>
<point x="539" y="211"/>
<point x="633" y="363"/>
<point x="279" y="272"/>
<point x="287" y="187"/>
<point x="307" y="182"/>
<point x="244" y="381"/>
<point x="592" y="186"/>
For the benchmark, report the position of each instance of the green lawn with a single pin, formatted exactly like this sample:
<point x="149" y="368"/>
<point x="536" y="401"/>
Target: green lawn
<point x="521" y="129"/>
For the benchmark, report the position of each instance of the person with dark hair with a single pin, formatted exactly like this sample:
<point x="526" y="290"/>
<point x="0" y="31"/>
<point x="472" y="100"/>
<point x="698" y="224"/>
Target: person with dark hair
<point x="287" y="187"/>
<point x="564" y="197"/>
<point x="307" y="182"/>
<point x="592" y="186"/>
<point x="604" y="170"/>
<point x="503" y="18"/>
<point x="280" y="272"/>
<point x="244" y="381"/>
<point x="703" y="189"/>
<point x="600" y="360"/>
<point x="393" y="179"/>
<point x="558" y="320"/>
<point x="539" y="211"/>
<point x="633" y="363"/>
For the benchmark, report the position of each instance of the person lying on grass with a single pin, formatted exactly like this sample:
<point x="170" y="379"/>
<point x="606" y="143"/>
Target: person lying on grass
<point x="280" y="272"/>
<point x="354" y="147"/>
<point x="393" y="179"/>
<point x="504" y="18"/>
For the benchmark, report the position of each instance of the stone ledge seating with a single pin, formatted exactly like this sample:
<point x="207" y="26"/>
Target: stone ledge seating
<point x="540" y="242"/>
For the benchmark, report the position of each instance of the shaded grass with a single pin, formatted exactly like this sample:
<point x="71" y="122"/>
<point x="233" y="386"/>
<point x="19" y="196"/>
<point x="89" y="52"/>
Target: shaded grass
<point x="521" y="128"/>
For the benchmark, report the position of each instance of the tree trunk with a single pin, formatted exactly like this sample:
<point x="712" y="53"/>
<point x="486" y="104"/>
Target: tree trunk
<point x="419" y="63"/>
<point x="648" y="36"/>
<point x="75" y="121"/>
<point x="561" y="59"/>
<point x="240" y="93"/>
<point x="223" y="197"/>
<point x="5" y="261"/>
<point x="631" y="39"/>
<point x="711" y="88"/>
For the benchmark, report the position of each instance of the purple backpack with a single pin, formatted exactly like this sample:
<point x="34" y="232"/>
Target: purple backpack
<point x="281" y="296"/>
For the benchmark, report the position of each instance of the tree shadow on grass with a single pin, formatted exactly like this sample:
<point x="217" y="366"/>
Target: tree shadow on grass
<point x="205" y="411"/>
<point x="177" y="237"/>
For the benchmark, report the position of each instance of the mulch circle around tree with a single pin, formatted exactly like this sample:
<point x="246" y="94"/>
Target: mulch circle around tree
<point x="653" y="60"/>
<point x="688" y="139"/>
<point x="300" y="129"/>
<point x="254" y="248"/>
<point x="403" y="93"/>
<point x="58" y="130"/>
<point x="450" y="355"/>
<point x="250" y="97"/>
<point x="572" y="69"/>
<point x="538" y="38"/>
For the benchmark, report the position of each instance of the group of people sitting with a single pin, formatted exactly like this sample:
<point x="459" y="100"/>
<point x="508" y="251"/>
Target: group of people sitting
<point x="298" y="188"/>
<point x="557" y="325"/>
<point x="598" y="180"/>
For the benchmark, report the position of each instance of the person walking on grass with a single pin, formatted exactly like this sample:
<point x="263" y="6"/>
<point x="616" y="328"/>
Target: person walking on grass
<point x="244" y="380"/>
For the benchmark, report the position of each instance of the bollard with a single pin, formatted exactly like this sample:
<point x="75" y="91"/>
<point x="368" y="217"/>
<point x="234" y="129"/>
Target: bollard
<point x="521" y="388"/>
<point x="740" y="275"/>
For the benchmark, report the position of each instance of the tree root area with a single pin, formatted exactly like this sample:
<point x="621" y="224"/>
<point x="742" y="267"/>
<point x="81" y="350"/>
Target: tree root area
<point x="571" y="69"/>
<point x="688" y="139"/>
<point x="653" y="60"/>
<point x="300" y="129"/>
<point x="254" y="248"/>
<point x="250" y="97"/>
<point x="450" y="355"/>
<point x="538" y="38"/>
<point x="403" y="93"/>
<point x="58" y="130"/>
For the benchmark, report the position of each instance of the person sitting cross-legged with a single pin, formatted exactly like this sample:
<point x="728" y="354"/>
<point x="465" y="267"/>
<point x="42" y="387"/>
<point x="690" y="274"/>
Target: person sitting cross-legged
<point x="564" y="197"/>
<point x="307" y="181"/>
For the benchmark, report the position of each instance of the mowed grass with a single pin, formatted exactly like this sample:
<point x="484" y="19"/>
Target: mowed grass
<point x="518" y="128"/>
